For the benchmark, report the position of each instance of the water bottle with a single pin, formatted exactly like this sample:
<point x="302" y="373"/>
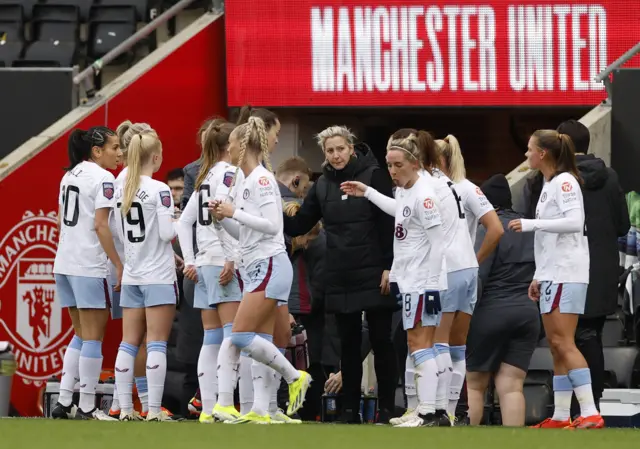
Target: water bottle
<point x="329" y="407"/>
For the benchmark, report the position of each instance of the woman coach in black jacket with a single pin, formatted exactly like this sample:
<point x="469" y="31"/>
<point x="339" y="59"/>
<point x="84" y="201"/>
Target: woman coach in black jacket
<point x="358" y="259"/>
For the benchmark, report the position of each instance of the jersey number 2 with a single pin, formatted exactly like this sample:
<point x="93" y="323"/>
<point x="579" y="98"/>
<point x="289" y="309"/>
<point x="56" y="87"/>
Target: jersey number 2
<point x="458" y="200"/>
<point x="138" y="221"/>
<point x="66" y="195"/>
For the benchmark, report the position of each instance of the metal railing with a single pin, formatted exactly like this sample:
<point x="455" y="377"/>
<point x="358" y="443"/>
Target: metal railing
<point x="604" y="75"/>
<point x="87" y="74"/>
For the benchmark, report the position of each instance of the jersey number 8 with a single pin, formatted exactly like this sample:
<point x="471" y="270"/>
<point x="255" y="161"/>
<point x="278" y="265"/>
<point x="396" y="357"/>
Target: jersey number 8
<point x="139" y="222"/>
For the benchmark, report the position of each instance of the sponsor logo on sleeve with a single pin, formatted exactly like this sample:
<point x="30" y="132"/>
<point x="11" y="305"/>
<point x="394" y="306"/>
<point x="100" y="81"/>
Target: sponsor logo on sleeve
<point x="107" y="190"/>
<point x="566" y="186"/>
<point x="264" y="181"/>
<point x="165" y="198"/>
<point x="428" y="203"/>
<point x="228" y="179"/>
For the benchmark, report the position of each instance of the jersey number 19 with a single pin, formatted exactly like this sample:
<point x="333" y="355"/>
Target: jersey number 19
<point x="137" y="222"/>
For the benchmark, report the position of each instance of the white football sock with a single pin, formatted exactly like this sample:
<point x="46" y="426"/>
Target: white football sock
<point x="70" y="371"/>
<point x="266" y="352"/>
<point x="115" y="402"/>
<point x="143" y="392"/>
<point x="443" y="359"/>
<point x="208" y="368"/>
<point x="410" y="384"/>
<point x="562" y="393"/>
<point x="245" y="384"/>
<point x="459" y="365"/>
<point x="228" y="360"/>
<point x="581" y="381"/>
<point x="156" y="373"/>
<point x="426" y="379"/>
<point x="125" y="361"/>
<point x="262" y="380"/>
<point x="90" y="367"/>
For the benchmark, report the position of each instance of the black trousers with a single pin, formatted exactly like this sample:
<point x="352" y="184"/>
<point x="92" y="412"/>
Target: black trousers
<point x="386" y="364"/>
<point x="589" y="342"/>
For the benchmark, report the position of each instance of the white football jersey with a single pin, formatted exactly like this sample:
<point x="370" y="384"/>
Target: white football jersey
<point x="458" y="247"/>
<point x="83" y="190"/>
<point x="146" y="232"/>
<point x="476" y="205"/>
<point x="414" y="269"/>
<point x="256" y="190"/>
<point x="561" y="257"/>
<point x="114" y="222"/>
<point x="210" y="249"/>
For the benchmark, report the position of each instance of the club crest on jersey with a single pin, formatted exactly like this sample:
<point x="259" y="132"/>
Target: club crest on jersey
<point x="165" y="198"/>
<point x="566" y="186"/>
<point x="543" y="198"/>
<point x="264" y="181"/>
<point x="107" y="190"/>
<point x="406" y="211"/>
<point x="228" y="179"/>
<point x="428" y="203"/>
<point x="479" y="191"/>
<point x="245" y="194"/>
<point x="32" y="319"/>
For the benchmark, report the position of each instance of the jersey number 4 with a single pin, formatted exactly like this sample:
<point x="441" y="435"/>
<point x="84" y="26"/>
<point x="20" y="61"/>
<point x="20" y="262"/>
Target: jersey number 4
<point x="70" y="217"/>
<point x="458" y="200"/>
<point x="138" y="222"/>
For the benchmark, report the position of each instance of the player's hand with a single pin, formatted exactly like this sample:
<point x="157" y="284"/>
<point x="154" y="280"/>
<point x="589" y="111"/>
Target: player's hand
<point x="225" y="210"/>
<point x="334" y="383"/>
<point x="190" y="273"/>
<point x="515" y="225"/>
<point x="292" y="320"/>
<point x="384" y="283"/>
<point x="353" y="188"/>
<point x="179" y="262"/>
<point x="226" y="275"/>
<point x="534" y="290"/>
<point x="119" y="271"/>
<point x="432" y="305"/>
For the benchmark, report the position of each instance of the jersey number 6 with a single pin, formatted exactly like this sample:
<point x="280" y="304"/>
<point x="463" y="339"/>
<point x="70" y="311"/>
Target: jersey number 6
<point x="204" y="217"/>
<point x="139" y="222"/>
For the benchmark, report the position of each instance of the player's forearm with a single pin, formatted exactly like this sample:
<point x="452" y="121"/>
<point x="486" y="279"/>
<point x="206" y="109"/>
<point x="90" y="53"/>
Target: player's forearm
<point x="166" y="228"/>
<point x="106" y="241"/>
<point x="232" y="227"/>
<point x="494" y="233"/>
<point x="572" y="221"/>
<point x="385" y="203"/>
<point x="185" y="239"/>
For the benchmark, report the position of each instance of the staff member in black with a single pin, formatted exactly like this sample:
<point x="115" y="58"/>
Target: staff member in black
<point x="358" y="259"/>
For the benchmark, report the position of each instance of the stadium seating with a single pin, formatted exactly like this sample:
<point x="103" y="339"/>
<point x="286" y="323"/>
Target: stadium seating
<point x="64" y="33"/>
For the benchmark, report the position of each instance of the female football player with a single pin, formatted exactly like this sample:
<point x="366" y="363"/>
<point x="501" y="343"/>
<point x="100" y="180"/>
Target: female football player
<point x="255" y="218"/>
<point x="149" y="292"/>
<point x="562" y="273"/>
<point x="476" y="210"/>
<point x="419" y="260"/>
<point x="217" y="291"/>
<point x="86" y="198"/>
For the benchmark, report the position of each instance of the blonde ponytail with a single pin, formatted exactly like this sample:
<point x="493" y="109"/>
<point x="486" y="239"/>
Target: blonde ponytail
<point x="141" y="148"/>
<point x="126" y="130"/>
<point x="254" y="138"/>
<point x="449" y="148"/>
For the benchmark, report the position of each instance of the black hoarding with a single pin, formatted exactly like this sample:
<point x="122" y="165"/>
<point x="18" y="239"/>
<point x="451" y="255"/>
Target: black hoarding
<point x="31" y="100"/>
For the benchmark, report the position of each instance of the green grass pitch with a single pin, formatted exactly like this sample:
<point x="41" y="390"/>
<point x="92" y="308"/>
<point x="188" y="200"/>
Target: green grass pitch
<point x="49" y="434"/>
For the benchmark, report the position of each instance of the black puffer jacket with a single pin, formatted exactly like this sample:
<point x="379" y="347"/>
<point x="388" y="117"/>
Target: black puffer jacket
<point x="359" y="235"/>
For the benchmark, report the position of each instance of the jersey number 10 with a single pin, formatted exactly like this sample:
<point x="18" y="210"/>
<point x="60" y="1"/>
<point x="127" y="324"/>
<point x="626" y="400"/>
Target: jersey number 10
<point x="138" y="222"/>
<point x="66" y="196"/>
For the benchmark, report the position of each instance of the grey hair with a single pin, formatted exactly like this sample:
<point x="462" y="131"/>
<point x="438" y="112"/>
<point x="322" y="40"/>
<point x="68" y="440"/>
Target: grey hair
<point x="334" y="131"/>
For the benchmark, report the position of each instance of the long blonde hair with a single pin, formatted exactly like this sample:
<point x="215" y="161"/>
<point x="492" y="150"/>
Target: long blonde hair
<point x="253" y="137"/>
<point x="449" y="149"/>
<point x="126" y="130"/>
<point x="215" y="139"/>
<point x="141" y="148"/>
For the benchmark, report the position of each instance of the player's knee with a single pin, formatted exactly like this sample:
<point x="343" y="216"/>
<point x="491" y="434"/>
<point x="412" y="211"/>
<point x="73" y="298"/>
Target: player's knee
<point x="242" y="339"/>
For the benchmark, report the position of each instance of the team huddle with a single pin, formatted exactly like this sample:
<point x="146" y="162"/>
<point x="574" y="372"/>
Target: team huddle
<point x="115" y="245"/>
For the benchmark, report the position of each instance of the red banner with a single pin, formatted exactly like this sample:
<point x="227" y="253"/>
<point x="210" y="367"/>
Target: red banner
<point x="30" y="315"/>
<point x="414" y="53"/>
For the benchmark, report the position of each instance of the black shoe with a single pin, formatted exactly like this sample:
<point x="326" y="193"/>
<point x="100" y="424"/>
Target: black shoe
<point x="62" y="412"/>
<point x="443" y="418"/>
<point x="349" y="416"/>
<point x="462" y="419"/>
<point x="429" y="420"/>
<point x="384" y="416"/>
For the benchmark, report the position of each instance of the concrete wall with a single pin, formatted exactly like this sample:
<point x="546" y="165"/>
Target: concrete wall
<point x="598" y="120"/>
